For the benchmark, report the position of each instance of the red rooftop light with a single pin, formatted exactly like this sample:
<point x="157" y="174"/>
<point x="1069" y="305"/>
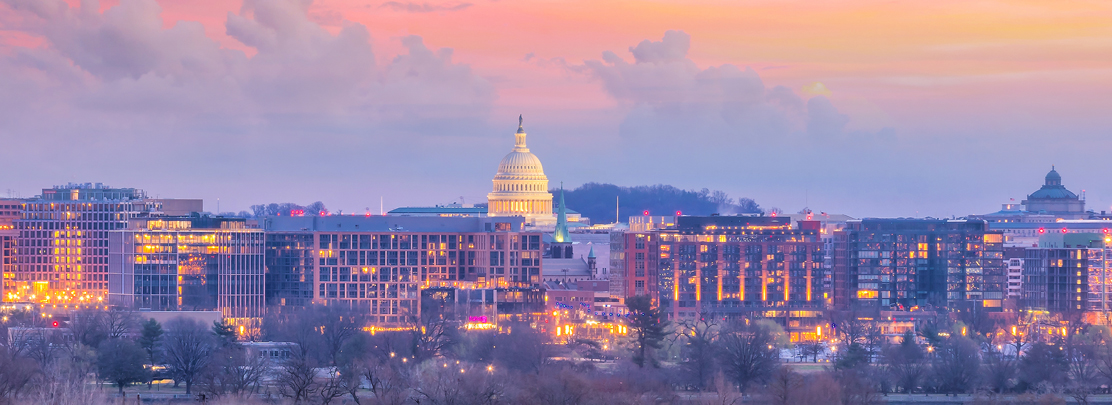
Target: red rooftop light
<point x="1063" y="230"/>
<point x="646" y="213"/>
<point x="678" y="213"/>
<point x="1042" y="230"/>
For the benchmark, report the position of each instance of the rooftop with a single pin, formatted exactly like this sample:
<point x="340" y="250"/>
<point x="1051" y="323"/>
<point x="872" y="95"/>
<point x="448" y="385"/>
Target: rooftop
<point x="362" y="223"/>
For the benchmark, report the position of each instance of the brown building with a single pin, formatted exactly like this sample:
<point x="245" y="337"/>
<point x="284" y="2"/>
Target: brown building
<point x="731" y="267"/>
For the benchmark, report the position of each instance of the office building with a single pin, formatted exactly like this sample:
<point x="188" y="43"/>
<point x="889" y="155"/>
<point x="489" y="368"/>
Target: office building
<point x="734" y="266"/>
<point x="62" y="243"/>
<point x="1068" y="273"/>
<point x="189" y="264"/>
<point x="10" y="211"/>
<point x="903" y="263"/>
<point x="379" y="264"/>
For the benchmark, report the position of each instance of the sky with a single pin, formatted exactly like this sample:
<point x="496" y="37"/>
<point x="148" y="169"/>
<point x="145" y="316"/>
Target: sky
<point x="868" y="108"/>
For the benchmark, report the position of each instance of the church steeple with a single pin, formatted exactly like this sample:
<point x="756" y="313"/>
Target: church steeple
<point x="561" y="235"/>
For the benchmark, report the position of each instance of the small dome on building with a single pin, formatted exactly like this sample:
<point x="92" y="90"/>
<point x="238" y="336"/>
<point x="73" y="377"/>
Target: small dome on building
<point x="1053" y="178"/>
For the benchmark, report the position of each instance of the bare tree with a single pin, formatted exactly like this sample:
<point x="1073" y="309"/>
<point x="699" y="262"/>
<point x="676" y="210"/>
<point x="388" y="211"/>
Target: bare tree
<point x="784" y="386"/>
<point x="1083" y="368"/>
<point x="337" y="325"/>
<point x="956" y="364"/>
<point x="523" y="349"/>
<point x="234" y="372"/>
<point x="296" y="377"/>
<point x="458" y="384"/>
<point x="16" y="372"/>
<point x="118" y="323"/>
<point x="332" y="386"/>
<point x="699" y="357"/>
<point x="748" y="355"/>
<point x="187" y="348"/>
<point x="906" y="363"/>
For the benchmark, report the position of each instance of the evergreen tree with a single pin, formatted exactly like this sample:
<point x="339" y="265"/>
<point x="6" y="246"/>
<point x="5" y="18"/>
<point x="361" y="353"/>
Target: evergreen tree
<point x="225" y="333"/>
<point x="647" y="324"/>
<point x="150" y="336"/>
<point x="121" y="362"/>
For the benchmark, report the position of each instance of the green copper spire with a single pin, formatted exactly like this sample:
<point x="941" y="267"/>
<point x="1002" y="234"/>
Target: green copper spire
<point x="591" y="255"/>
<point x="561" y="235"/>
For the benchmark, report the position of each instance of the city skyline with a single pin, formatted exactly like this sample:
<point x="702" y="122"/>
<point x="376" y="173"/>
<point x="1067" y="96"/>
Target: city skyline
<point x="957" y="110"/>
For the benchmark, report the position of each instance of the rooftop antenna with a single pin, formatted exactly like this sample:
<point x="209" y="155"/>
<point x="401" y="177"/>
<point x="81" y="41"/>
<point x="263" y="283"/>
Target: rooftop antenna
<point x="380" y="212"/>
<point x="616" y="208"/>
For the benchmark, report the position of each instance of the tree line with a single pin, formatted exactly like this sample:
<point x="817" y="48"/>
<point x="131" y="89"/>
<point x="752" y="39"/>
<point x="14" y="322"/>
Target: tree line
<point x="330" y="356"/>
<point x="597" y="201"/>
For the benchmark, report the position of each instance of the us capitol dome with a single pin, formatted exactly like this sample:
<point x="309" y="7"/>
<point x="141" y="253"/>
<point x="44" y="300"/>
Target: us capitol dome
<point x="520" y="187"/>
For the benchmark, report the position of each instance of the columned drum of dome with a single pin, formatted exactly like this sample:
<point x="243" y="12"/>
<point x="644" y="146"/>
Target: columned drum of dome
<point x="1053" y="198"/>
<point x="520" y="187"/>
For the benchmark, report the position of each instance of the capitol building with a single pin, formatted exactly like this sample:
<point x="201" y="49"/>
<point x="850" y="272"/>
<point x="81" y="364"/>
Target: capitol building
<point x="520" y="190"/>
<point x="520" y="186"/>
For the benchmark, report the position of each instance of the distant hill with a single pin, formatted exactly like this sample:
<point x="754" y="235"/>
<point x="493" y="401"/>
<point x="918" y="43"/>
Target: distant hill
<point x="596" y="201"/>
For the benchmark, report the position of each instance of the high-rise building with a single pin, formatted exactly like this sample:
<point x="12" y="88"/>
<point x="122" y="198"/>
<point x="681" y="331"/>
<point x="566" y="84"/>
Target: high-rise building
<point x="1013" y="260"/>
<point x="62" y="243"/>
<point x="1068" y="272"/>
<point x="378" y="265"/>
<point x="903" y="263"/>
<point x="9" y="213"/>
<point x="289" y="269"/>
<point x="189" y="264"/>
<point x="737" y="265"/>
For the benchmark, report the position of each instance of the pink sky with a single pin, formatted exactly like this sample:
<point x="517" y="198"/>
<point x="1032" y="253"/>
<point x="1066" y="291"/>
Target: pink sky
<point x="963" y="80"/>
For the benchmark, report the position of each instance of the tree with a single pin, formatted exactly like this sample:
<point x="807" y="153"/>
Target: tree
<point x="121" y="362"/>
<point x="225" y="333"/>
<point x="233" y="372"/>
<point x="647" y="324"/>
<point x="523" y="349"/>
<point x="905" y="362"/>
<point x="296" y="377"/>
<point x="150" y="335"/>
<point x="853" y="357"/>
<point x="748" y="355"/>
<point x="187" y="348"/>
<point x="1083" y="366"/>
<point x="1043" y="364"/>
<point x="16" y="373"/>
<point x="956" y="364"/>
<point x="1000" y="369"/>
<point x="698" y="350"/>
<point x="784" y="387"/>
<point x="337" y="325"/>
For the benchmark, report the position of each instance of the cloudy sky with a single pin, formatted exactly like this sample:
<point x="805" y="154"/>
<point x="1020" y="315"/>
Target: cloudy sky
<point x="869" y="108"/>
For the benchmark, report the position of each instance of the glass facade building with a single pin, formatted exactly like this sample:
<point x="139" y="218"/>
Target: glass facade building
<point x="903" y="263"/>
<point x="1068" y="272"/>
<point x="733" y="266"/>
<point x="189" y="264"/>
<point x="61" y="245"/>
<point x="379" y="265"/>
